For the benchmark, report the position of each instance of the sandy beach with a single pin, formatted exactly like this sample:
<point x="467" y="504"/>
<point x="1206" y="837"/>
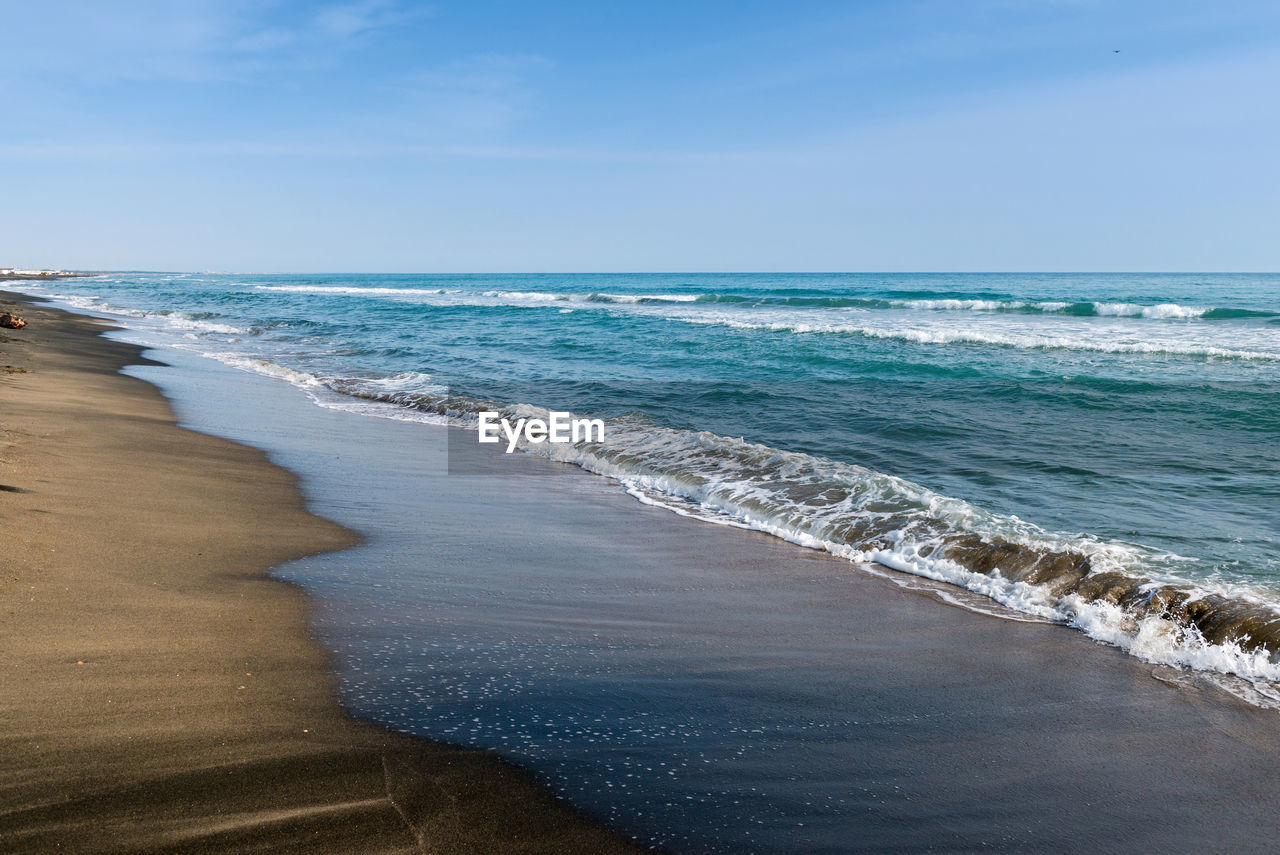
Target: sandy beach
<point x="159" y="692"/>
<point x="162" y="694"/>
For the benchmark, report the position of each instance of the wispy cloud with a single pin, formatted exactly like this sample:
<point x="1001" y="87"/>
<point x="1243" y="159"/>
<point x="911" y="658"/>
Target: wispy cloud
<point x="101" y="43"/>
<point x="184" y="40"/>
<point x="479" y="94"/>
<point x="343" y="21"/>
<point x="363" y="149"/>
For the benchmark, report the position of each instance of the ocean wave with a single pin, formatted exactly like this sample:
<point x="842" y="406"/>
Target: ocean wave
<point x="1156" y="311"/>
<point x="643" y="298"/>
<point x="521" y="297"/>
<point x="1153" y="311"/>
<point x="266" y="368"/>
<point x="1102" y="342"/>
<point x="1119" y="593"/>
<point x="396" y="397"/>
<point x="456" y="295"/>
<point x="356" y="291"/>
<point x="194" y="322"/>
<point x="1160" y="310"/>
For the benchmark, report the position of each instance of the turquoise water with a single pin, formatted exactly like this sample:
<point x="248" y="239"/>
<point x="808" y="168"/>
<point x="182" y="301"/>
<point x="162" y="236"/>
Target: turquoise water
<point x="1096" y="449"/>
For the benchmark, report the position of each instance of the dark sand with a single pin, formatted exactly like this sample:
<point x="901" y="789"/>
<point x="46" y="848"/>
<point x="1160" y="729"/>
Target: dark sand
<point x="158" y="692"/>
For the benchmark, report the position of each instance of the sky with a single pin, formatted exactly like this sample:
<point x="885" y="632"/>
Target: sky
<point x="398" y="136"/>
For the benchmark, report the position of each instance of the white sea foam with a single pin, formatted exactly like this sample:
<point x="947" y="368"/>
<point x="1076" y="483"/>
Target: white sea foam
<point x="702" y="475"/>
<point x="301" y="379"/>
<point x="1159" y="311"/>
<point x="595" y="297"/>
<point x="180" y="321"/>
<point x="198" y="325"/>
<point x="958" y="305"/>
<point x="647" y="298"/>
<point x="371" y="396"/>
<point x="486" y="297"/>
<point x="357" y="291"/>
<point x="1029" y="333"/>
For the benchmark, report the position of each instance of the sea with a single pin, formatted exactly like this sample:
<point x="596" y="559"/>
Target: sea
<point x="1096" y="450"/>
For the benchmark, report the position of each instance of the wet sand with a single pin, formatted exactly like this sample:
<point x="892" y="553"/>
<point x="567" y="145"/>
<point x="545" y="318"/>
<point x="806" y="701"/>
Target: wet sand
<point x="158" y="691"/>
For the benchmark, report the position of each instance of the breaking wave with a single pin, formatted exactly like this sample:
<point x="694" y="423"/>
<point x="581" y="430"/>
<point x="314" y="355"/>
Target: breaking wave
<point x="1156" y="311"/>
<point x="195" y="322"/>
<point x="1101" y="341"/>
<point x="1118" y="593"/>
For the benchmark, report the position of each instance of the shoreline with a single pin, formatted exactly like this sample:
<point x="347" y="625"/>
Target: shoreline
<point x="866" y="717"/>
<point x="162" y="691"/>
<point x="803" y="704"/>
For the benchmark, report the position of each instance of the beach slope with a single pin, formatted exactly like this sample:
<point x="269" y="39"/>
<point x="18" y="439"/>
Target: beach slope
<point x="158" y="690"/>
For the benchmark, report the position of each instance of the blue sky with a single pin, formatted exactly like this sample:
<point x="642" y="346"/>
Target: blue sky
<point x="389" y="135"/>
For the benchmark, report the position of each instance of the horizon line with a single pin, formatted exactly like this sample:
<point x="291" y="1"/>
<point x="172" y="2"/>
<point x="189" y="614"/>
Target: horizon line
<point x="1098" y="272"/>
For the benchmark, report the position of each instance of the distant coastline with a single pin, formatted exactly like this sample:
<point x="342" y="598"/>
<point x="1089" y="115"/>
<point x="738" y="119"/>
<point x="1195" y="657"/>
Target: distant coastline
<point x="18" y="273"/>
